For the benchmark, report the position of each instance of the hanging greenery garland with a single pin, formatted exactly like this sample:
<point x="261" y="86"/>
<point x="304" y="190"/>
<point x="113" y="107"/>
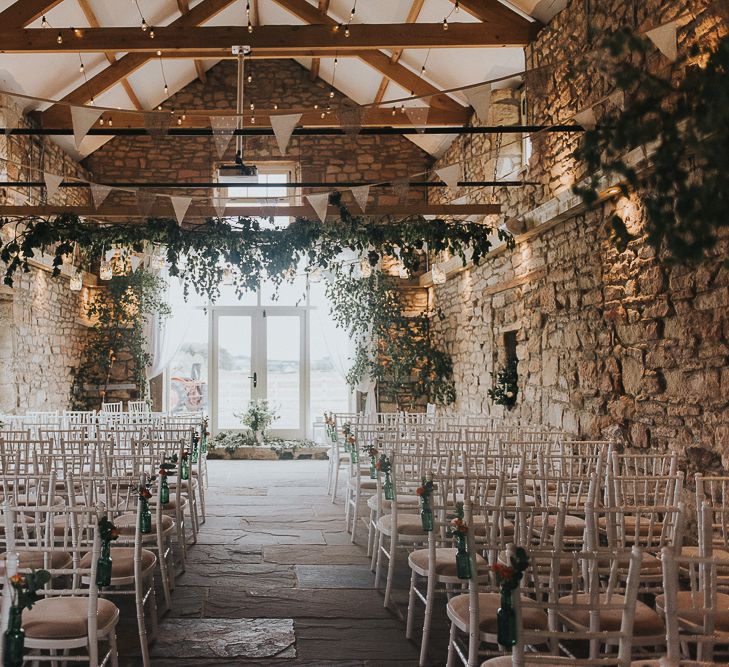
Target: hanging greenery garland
<point x="685" y="121"/>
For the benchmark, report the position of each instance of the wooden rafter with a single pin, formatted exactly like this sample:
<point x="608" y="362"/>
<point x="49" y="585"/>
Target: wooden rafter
<point x="316" y="62"/>
<point x="371" y="118"/>
<point x="184" y="7"/>
<point x="129" y="63"/>
<point x="23" y="12"/>
<point x="110" y="56"/>
<point x="294" y="38"/>
<point x="494" y="12"/>
<point x="376" y="59"/>
<point x="196" y="211"/>
<point x="412" y="17"/>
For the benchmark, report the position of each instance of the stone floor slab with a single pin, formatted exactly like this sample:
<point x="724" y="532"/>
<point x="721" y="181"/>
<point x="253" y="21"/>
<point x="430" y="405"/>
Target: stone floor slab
<point x="349" y="554"/>
<point x="334" y="576"/>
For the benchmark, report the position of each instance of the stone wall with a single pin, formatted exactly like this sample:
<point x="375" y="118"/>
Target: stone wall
<point x="603" y="338"/>
<point x="316" y="158"/>
<point x="42" y="331"/>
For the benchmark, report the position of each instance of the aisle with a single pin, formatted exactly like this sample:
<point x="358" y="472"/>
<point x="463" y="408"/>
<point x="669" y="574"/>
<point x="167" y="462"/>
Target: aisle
<point x="274" y="580"/>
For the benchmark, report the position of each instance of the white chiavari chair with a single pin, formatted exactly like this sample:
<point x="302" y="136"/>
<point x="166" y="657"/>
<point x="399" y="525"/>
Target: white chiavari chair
<point x="660" y="464"/>
<point x="113" y="407"/>
<point x="139" y="406"/>
<point x="70" y="616"/>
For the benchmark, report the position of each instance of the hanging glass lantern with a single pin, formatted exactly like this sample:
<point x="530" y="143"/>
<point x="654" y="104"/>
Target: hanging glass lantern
<point x="315" y="275"/>
<point x="439" y="275"/>
<point x="106" y="271"/>
<point x="76" y="282"/>
<point x="365" y="268"/>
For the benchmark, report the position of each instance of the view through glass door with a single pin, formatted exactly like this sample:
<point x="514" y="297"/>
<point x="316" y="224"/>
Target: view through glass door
<point x="259" y="353"/>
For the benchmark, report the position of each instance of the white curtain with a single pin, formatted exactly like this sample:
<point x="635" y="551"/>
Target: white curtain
<point x="166" y="335"/>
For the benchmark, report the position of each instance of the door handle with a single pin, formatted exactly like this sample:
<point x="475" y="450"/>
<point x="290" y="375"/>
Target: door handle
<point x="254" y="377"/>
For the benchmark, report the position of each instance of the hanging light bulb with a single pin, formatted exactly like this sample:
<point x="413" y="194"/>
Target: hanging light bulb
<point x="151" y="33"/>
<point x="227" y="276"/>
<point x="253" y="120"/>
<point x="458" y="6"/>
<point x="109" y="123"/>
<point x="44" y="22"/>
<point x="316" y="106"/>
<point x="331" y="94"/>
<point x="91" y="102"/>
<point x="394" y="110"/>
<point x="250" y="27"/>
<point x="438" y="274"/>
<point x="365" y="268"/>
<point x="167" y="90"/>
<point x="253" y="106"/>
<point x="323" y="114"/>
<point x="106" y="270"/>
<point x="76" y="282"/>
<point x="144" y="25"/>
<point x="275" y="106"/>
<point x="59" y="38"/>
<point x="184" y="116"/>
<point x="179" y="121"/>
<point x="402" y="108"/>
<point x="250" y="78"/>
<point x="346" y="31"/>
<point x="445" y="24"/>
<point x="101" y="120"/>
<point x="81" y="68"/>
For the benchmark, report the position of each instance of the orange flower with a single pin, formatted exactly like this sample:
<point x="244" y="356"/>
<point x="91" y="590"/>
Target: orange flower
<point x="17" y="580"/>
<point x="420" y="490"/>
<point x="163" y="472"/>
<point x="503" y="571"/>
<point x="114" y="533"/>
<point x="145" y="493"/>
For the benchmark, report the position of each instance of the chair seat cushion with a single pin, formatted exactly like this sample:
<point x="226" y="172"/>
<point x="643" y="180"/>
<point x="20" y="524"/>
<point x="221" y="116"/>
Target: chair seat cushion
<point x="407" y="524"/>
<point x="647" y="621"/>
<point x="445" y="562"/>
<point x="403" y="500"/>
<point x="654" y="530"/>
<point x="364" y="482"/>
<point x="574" y="526"/>
<point x="35" y="560"/>
<point x="127" y="524"/>
<point x="122" y="561"/>
<point x="488" y="605"/>
<point x="507" y="661"/>
<point x="649" y="565"/>
<point x="66" y="618"/>
<point x="691" y="607"/>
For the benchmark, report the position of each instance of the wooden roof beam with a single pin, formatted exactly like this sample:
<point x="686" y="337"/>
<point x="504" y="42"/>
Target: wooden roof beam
<point x="294" y="38"/>
<point x="493" y="12"/>
<point x="316" y="62"/>
<point x="184" y="7"/>
<point x="23" y="12"/>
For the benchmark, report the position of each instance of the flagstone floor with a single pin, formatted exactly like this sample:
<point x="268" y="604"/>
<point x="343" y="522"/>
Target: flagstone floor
<point x="274" y="580"/>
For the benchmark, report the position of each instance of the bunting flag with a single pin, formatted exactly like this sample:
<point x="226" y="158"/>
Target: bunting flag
<point x="283" y="128"/>
<point x="83" y="119"/>
<point x="53" y="184"/>
<point x="11" y="118"/>
<point x="361" y="194"/>
<point x="145" y="202"/>
<point x="480" y="99"/>
<point x="586" y="118"/>
<point x="157" y="125"/>
<point x="664" y="39"/>
<point x="180" y="206"/>
<point x="219" y="204"/>
<point x="401" y="187"/>
<point x="350" y="119"/>
<point x="135" y="262"/>
<point x="418" y="116"/>
<point x="450" y="175"/>
<point x="99" y="193"/>
<point x="223" y="130"/>
<point x="320" y="204"/>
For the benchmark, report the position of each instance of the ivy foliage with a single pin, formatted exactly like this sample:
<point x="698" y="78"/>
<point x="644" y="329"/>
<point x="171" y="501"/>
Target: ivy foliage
<point x="119" y="313"/>
<point x="393" y="347"/>
<point x="685" y="121"/>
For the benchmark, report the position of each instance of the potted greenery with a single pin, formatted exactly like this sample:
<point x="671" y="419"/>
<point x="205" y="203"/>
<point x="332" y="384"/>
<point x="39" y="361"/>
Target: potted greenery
<point x="259" y="416"/>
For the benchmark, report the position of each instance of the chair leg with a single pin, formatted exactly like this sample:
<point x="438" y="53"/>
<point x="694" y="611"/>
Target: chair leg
<point x="153" y="617"/>
<point x="114" y="657"/>
<point x="375" y="546"/>
<point x="201" y="490"/>
<point x="451" y="646"/>
<point x="335" y="484"/>
<point x="192" y="504"/>
<point x="391" y="568"/>
<point x="411" y="606"/>
<point x="164" y="572"/>
<point x="370" y="533"/>
<point x="355" y="514"/>
<point x="380" y="553"/>
<point x="141" y="623"/>
<point x="427" y="621"/>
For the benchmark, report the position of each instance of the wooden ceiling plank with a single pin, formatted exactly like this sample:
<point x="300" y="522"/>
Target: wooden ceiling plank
<point x="316" y="62"/>
<point x="23" y="12"/>
<point x="128" y="63"/>
<point x="366" y="36"/>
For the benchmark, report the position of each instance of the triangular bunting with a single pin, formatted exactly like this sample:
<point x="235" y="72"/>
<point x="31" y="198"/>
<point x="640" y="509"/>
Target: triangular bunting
<point x="145" y="202"/>
<point x="99" y="193"/>
<point x="361" y="194"/>
<point x="450" y="175"/>
<point x="283" y="127"/>
<point x="11" y="119"/>
<point x="53" y="184"/>
<point x="586" y="118"/>
<point x="82" y="119"/>
<point x="418" y="116"/>
<point x="480" y="99"/>
<point x="350" y="119"/>
<point x="180" y="206"/>
<point x="401" y="187"/>
<point x="664" y="39"/>
<point x="223" y="130"/>
<point x="320" y="203"/>
<point x="219" y="204"/>
<point x="135" y="262"/>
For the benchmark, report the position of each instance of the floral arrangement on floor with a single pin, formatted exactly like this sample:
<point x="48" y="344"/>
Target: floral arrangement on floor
<point x="230" y="442"/>
<point x="258" y="417"/>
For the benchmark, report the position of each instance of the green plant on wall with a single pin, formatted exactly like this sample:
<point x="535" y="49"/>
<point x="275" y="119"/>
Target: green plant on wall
<point x="682" y="116"/>
<point x="391" y="347"/>
<point x="506" y="388"/>
<point x="119" y="312"/>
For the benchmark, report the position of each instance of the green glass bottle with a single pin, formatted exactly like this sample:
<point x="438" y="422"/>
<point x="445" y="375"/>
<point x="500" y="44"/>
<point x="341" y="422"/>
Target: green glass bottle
<point x="426" y="514"/>
<point x="506" y="621"/>
<point x="14" y="639"/>
<point x="103" y="565"/>
<point x="145" y="518"/>
<point x="373" y="467"/>
<point x="354" y="454"/>
<point x="164" y="495"/>
<point x="389" y="488"/>
<point x="195" y="447"/>
<point x="463" y="560"/>
<point x="185" y="467"/>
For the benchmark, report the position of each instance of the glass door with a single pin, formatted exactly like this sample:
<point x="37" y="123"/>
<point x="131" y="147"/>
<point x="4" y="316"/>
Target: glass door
<point x="259" y="353"/>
